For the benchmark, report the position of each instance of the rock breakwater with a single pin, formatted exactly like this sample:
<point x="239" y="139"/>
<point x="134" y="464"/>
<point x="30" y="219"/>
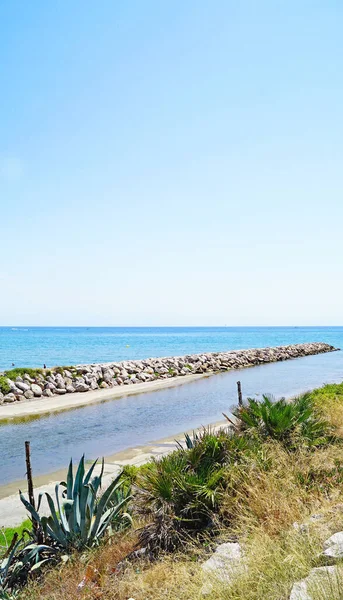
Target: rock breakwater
<point x="82" y="378"/>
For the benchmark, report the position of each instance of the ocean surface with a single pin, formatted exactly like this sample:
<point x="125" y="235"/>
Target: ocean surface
<point x="36" y="346"/>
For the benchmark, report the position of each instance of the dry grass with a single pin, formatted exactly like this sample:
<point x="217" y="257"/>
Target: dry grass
<point x="264" y="498"/>
<point x="271" y="494"/>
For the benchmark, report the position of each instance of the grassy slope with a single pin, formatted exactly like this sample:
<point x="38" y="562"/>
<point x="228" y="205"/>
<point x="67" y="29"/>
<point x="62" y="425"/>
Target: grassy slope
<point x="267" y="496"/>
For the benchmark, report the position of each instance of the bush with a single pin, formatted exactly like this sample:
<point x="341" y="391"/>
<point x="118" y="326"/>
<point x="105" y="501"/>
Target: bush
<point x="182" y="491"/>
<point x="291" y="423"/>
<point x="5" y="387"/>
<point x="20" y="371"/>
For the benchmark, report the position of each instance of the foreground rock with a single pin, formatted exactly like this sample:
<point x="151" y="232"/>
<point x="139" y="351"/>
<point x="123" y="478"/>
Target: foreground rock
<point x="224" y="565"/>
<point x="81" y="378"/>
<point x="322" y="582"/>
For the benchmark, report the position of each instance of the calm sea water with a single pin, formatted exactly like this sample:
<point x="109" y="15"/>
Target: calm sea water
<point x="35" y="346"/>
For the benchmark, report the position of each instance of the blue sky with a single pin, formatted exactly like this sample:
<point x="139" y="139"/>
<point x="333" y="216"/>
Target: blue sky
<point x="171" y="163"/>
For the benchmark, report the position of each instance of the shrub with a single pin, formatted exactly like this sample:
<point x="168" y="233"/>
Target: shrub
<point x="21" y="560"/>
<point x="81" y="519"/>
<point x="20" y="371"/>
<point x="291" y="423"/>
<point x="182" y="491"/>
<point x="5" y="387"/>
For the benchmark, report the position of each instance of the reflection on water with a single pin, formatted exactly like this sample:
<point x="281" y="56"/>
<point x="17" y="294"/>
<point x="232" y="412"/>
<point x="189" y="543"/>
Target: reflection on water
<point x="106" y="428"/>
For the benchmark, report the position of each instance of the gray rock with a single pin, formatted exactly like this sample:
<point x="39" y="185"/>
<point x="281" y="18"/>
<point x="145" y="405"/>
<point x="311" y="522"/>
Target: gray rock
<point x="22" y="386"/>
<point x="9" y="398"/>
<point x="93" y="384"/>
<point x="36" y="389"/>
<point x="60" y="391"/>
<point x="20" y="398"/>
<point x="47" y="393"/>
<point x="333" y="547"/>
<point x="81" y="387"/>
<point x="28" y="378"/>
<point x="103" y="385"/>
<point x="50" y="386"/>
<point x="224" y="565"/>
<point x="29" y="394"/>
<point x="320" y="579"/>
<point x="1" y="398"/>
<point x="107" y="377"/>
<point x="70" y="389"/>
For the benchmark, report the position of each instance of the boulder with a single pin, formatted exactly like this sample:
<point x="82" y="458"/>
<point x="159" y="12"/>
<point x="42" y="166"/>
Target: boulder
<point x="333" y="547"/>
<point x="47" y="393"/>
<point x="81" y="387"/>
<point x="36" y="389"/>
<point x="103" y="385"/>
<point x="321" y="579"/>
<point x="20" y="397"/>
<point x="60" y="391"/>
<point x="1" y="397"/>
<point x="70" y="389"/>
<point x="224" y="565"/>
<point x="22" y="386"/>
<point x="29" y="394"/>
<point x="107" y="376"/>
<point x="50" y="386"/>
<point x="9" y="398"/>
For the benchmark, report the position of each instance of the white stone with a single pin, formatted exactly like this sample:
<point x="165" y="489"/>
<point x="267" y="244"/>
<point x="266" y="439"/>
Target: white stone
<point x="333" y="547"/>
<point x="36" y="389"/>
<point x="224" y="565"/>
<point x="320" y="579"/>
<point x="22" y="386"/>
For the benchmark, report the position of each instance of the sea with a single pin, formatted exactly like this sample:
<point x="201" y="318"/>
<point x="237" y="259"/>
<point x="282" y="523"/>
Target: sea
<point x="53" y="346"/>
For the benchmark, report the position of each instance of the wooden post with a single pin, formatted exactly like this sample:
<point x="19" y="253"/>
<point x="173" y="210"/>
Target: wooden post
<point x="35" y="525"/>
<point x="240" y="398"/>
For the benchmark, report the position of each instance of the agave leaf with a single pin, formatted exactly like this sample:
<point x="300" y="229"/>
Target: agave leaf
<point x="29" y="507"/>
<point x="70" y="480"/>
<point x="104" y="500"/>
<point x="64" y="521"/>
<point x="90" y="472"/>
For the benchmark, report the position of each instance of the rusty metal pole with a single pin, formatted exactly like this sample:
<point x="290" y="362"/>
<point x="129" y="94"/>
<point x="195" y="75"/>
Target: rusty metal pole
<point x="239" y="390"/>
<point x="30" y="483"/>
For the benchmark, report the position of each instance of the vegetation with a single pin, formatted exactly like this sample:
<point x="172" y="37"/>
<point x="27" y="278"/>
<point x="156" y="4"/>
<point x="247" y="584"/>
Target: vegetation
<point x="79" y="519"/>
<point x="20" y="371"/>
<point x="5" y="387"/>
<point x="7" y="534"/>
<point x="258" y="481"/>
<point x="291" y="423"/>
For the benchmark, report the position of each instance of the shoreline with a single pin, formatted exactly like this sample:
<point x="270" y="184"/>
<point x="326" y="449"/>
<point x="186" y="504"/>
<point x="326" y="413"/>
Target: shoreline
<point x="13" y="512"/>
<point x="10" y="413"/>
<point x="37" y="392"/>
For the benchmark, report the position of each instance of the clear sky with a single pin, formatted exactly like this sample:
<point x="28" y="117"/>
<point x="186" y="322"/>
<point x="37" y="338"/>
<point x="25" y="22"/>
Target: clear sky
<point x="171" y="162"/>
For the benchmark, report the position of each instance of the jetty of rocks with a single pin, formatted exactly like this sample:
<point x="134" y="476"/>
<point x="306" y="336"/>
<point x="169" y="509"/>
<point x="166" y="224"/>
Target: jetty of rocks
<point x="82" y="378"/>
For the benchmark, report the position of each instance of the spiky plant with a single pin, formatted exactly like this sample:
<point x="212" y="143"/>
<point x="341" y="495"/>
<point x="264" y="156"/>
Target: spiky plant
<point x="80" y="518"/>
<point x="290" y="422"/>
<point x="21" y="560"/>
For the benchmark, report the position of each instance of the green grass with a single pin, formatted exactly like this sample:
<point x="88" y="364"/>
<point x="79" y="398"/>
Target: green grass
<point x="20" y="371"/>
<point x="6" y="534"/>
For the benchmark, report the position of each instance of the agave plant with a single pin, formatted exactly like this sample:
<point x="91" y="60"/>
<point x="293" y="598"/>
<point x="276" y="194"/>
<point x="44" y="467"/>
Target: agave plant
<point x="19" y="562"/>
<point x="79" y="518"/>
